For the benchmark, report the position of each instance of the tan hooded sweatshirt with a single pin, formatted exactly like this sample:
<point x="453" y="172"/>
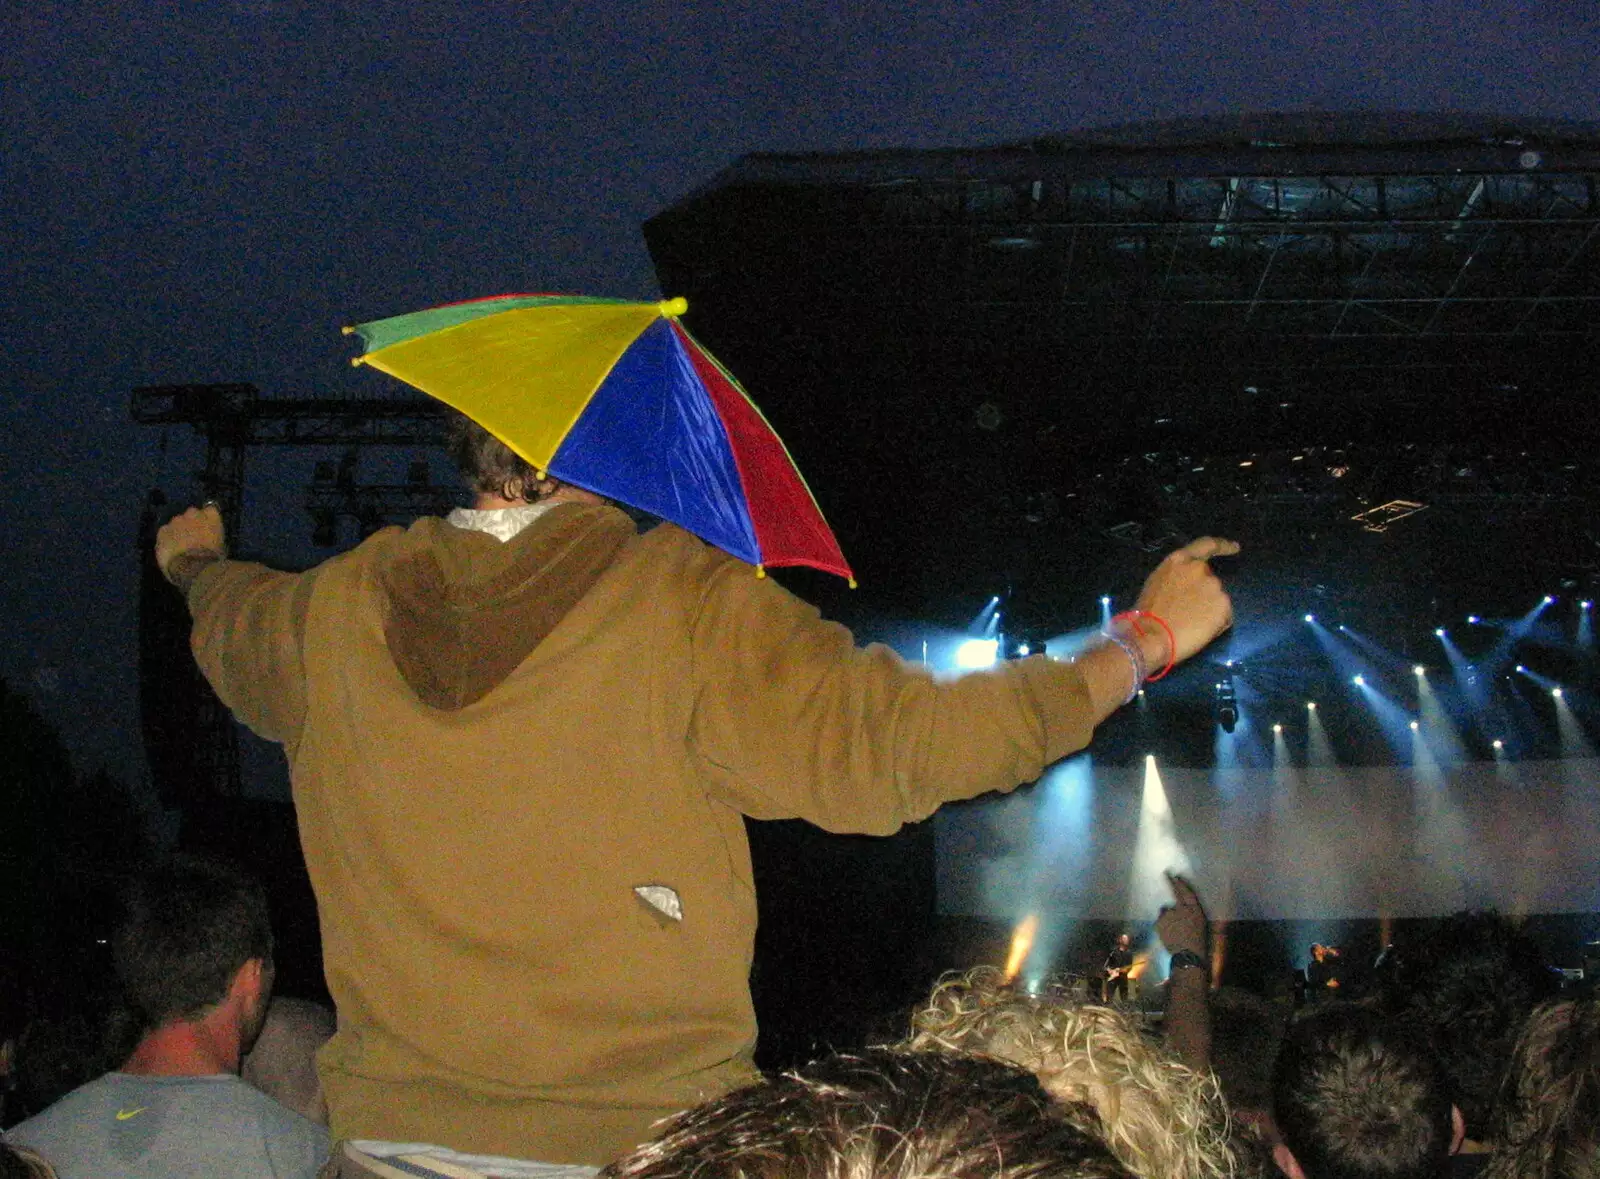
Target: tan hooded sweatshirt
<point x="520" y="770"/>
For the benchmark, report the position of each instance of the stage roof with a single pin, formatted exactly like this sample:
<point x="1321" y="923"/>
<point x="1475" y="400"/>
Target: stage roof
<point x="1030" y="365"/>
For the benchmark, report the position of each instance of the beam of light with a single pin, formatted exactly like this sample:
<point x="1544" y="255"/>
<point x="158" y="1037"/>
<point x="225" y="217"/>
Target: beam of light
<point x="1543" y="681"/>
<point x="1060" y="858"/>
<point x="1441" y="732"/>
<point x="1522" y="626"/>
<point x="1393" y="721"/>
<point x="981" y="623"/>
<point x="1021" y="945"/>
<point x="1474" y="680"/>
<point x="1073" y="643"/>
<point x="1338" y="653"/>
<point x="1380" y="655"/>
<point x="1443" y="844"/>
<point x="1319" y="750"/>
<point x="1156" y="850"/>
<point x="1105" y="610"/>
<point x="976" y="653"/>
<point x="1585" y="635"/>
<point x="1574" y="743"/>
<point x="991" y="629"/>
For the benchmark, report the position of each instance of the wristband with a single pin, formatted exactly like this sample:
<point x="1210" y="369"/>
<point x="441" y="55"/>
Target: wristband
<point x="1131" y="617"/>
<point x="1185" y="960"/>
<point x="1141" y="670"/>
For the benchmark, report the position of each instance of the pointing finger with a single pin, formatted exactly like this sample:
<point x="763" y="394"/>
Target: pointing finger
<point x="1205" y="547"/>
<point x="1182" y="890"/>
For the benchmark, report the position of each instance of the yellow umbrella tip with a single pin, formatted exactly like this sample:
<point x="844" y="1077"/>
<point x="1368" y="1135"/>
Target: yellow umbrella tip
<point x="672" y="308"/>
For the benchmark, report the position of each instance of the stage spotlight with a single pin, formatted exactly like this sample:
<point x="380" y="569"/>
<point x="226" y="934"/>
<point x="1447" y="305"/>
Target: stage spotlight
<point x="1438" y="632"/>
<point x="976" y="653"/>
<point x="1473" y="619"/>
<point x="1311" y="705"/>
<point x="1359" y="681"/>
<point x="1548" y="599"/>
<point x="1418" y="669"/>
<point x="1227" y="703"/>
<point x="1499" y="744"/>
<point x="1415" y="726"/>
<point x="1277" y="728"/>
<point x="1311" y="617"/>
<point x="1556" y="692"/>
<point x="1105" y="599"/>
<point x="1520" y="669"/>
<point x="1585" y="604"/>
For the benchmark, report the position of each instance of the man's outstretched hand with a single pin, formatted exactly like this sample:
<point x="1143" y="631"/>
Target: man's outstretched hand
<point x="1186" y="594"/>
<point x="196" y="531"/>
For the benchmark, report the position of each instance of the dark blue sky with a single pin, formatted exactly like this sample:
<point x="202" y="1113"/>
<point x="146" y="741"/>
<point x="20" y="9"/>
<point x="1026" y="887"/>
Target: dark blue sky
<point x="207" y="191"/>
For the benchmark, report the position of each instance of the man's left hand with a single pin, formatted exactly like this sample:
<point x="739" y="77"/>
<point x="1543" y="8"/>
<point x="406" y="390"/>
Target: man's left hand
<point x="196" y="530"/>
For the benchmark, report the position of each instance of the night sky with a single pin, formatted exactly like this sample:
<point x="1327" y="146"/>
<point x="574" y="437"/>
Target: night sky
<point x="207" y="191"/>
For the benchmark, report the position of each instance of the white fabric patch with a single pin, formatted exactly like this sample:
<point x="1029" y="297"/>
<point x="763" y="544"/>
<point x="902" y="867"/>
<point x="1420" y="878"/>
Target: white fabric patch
<point x="659" y="897"/>
<point x="502" y="523"/>
<point x="493" y="1166"/>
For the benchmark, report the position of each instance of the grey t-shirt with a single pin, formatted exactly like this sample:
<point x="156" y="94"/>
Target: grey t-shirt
<point x="136" y="1127"/>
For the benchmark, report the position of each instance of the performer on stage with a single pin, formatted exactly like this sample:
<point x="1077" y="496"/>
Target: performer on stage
<point x="1119" y="964"/>
<point x="1324" y="972"/>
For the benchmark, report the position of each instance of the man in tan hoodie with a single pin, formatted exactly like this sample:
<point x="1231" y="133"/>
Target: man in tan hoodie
<point x="522" y="740"/>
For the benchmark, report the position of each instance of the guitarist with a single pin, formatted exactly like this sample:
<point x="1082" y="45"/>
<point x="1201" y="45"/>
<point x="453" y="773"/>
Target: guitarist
<point x="1119" y="964"/>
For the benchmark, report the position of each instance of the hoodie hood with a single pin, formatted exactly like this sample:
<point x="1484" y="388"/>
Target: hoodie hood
<point x="462" y="609"/>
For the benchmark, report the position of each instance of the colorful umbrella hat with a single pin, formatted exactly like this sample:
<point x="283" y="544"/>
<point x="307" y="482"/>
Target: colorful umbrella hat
<point x="618" y="398"/>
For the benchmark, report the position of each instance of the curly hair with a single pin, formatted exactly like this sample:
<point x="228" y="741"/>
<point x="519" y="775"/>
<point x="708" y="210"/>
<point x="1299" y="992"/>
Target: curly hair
<point x="1547" y="1122"/>
<point x="1161" y="1118"/>
<point x="882" y="1114"/>
<point x="488" y="465"/>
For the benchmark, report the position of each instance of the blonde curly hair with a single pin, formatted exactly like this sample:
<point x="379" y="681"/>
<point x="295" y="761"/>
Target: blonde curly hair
<point x="1162" y="1119"/>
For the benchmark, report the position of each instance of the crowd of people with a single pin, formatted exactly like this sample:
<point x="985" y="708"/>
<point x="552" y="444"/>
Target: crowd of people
<point x="522" y="742"/>
<point x="1464" y="1059"/>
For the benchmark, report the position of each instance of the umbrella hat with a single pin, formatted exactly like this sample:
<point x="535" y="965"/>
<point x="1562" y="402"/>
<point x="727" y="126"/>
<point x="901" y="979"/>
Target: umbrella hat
<point x="619" y="398"/>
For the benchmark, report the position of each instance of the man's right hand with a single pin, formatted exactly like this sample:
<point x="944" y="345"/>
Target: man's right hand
<point x="1185" y="594"/>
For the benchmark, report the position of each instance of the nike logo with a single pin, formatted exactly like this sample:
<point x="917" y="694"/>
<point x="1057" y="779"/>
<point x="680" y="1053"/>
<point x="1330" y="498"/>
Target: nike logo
<point x="124" y="1114"/>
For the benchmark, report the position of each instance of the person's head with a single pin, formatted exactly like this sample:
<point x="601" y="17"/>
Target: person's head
<point x="193" y="935"/>
<point x="1160" y="1118"/>
<point x="1123" y="941"/>
<point x="883" y="1114"/>
<point x="1355" y="1097"/>
<point x="493" y="471"/>
<point x="489" y="466"/>
<point x="1466" y="985"/>
<point x="1547" y="1121"/>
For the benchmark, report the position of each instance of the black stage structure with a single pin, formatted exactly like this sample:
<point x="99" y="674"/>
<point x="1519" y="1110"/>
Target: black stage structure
<point x="970" y="350"/>
<point x="1363" y="344"/>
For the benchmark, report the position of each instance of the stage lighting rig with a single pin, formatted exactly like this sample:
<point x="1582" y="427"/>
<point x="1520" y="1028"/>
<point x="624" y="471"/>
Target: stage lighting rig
<point x="1227" y="702"/>
<point x="1379" y="519"/>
